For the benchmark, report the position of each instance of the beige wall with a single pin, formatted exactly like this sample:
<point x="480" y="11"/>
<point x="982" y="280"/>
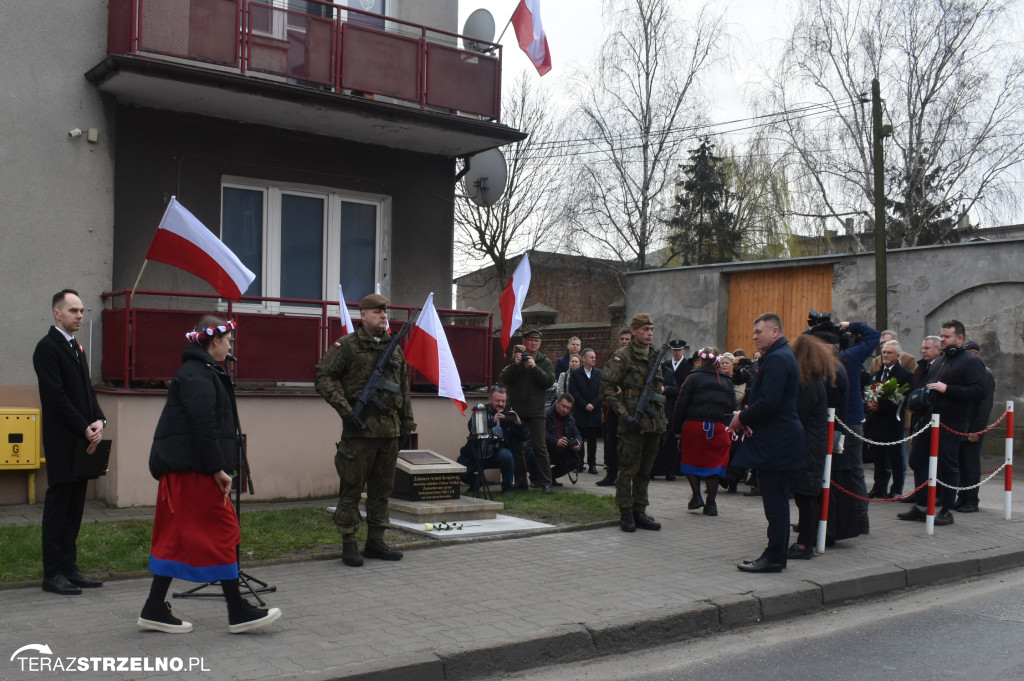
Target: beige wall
<point x="291" y="444"/>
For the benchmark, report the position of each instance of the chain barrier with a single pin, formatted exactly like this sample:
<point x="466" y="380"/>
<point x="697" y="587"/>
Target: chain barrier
<point x="880" y="501"/>
<point x="980" y="432"/>
<point x="882" y="444"/>
<point x="975" y="486"/>
<point x="910" y="437"/>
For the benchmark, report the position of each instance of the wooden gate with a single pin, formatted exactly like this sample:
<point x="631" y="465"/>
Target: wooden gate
<point x="788" y="292"/>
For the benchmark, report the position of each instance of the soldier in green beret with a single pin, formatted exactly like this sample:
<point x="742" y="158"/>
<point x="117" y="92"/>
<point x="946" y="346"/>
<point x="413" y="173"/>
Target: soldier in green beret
<point x="622" y="381"/>
<point x="366" y="456"/>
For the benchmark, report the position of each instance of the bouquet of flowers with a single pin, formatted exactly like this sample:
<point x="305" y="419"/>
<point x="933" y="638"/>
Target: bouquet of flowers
<point x="890" y="391"/>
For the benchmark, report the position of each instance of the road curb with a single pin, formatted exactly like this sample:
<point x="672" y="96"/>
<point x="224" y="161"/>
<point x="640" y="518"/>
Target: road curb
<point x="573" y="642"/>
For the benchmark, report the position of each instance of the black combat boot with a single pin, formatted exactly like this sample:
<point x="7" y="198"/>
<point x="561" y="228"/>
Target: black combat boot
<point x="627" y="523"/>
<point x="376" y="548"/>
<point x="350" y="554"/>
<point x="645" y="522"/>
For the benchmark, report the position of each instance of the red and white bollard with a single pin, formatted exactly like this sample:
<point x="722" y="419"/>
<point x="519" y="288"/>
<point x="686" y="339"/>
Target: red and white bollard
<point x="1008" y="472"/>
<point x="933" y="474"/>
<point x="825" y="482"/>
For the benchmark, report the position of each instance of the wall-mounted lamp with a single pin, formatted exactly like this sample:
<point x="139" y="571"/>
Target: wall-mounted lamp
<point x="92" y="135"/>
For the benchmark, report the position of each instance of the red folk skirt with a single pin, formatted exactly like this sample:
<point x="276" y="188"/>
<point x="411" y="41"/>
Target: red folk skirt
<point x="195" y="530"/>
<point x="705" y="446"/>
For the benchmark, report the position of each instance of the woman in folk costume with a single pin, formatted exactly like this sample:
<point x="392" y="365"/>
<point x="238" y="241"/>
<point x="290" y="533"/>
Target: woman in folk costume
<point x="704" y="407"/>
<point x="195" y="530"/>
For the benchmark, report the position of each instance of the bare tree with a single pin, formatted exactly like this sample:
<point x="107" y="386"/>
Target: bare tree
<point x="524" y="216"/>
<point x="637" y="113"/>
<point x="952" y="76"/>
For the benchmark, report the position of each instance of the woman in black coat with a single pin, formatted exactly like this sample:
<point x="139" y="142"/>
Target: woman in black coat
<point x="817" y="373"/>
<point x="195" y="530"/>
<point x="704" y="408"/>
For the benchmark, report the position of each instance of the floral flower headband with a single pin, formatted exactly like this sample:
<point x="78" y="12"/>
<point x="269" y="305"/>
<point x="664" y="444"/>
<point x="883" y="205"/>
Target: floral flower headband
<point x="210" y="332"/>
<point x="708" y="356"/>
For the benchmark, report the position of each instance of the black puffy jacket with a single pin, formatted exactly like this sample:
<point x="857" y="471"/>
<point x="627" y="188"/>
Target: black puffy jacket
<point x="706" y="395"/>
<point x="197" y="430"/>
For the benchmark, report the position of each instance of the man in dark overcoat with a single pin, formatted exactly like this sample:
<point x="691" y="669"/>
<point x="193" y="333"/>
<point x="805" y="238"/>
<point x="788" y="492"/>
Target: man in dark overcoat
<point x="885" y="423"/>
<point x="774" y="444"/>
<point x="585" y="388"/>
<point x="70" y="416"/>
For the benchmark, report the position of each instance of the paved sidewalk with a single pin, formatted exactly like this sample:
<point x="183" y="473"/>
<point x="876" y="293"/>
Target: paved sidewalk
<point x="469" y="610"/>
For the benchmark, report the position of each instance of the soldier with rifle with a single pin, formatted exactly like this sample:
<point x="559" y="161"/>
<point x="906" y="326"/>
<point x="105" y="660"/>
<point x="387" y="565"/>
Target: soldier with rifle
<point x="632" y="387"/>
<point x="365" y="378"/>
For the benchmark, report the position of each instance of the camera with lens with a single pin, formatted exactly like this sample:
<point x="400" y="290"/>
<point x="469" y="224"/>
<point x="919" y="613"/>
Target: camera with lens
<point x="743" y="373"/>
<point x="820" y="324"/>
<point x="572" y="443"/>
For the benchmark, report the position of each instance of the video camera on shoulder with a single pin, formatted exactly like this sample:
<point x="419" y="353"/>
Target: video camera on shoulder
<point x="820" y="324"/>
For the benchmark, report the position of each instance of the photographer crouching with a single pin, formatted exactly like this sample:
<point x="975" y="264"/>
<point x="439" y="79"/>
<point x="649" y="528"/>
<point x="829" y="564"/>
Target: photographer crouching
<point x="504" y="426"/>
<point x="563" y="440"/>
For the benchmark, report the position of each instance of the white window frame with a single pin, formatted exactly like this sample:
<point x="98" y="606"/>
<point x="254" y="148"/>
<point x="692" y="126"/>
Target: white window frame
<point x="331" y="272"/>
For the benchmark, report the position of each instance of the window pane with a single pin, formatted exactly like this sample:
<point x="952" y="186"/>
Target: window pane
<point x="242" y="231"/>
<point x="302" y="237"/>
<point x="358" y="249"/>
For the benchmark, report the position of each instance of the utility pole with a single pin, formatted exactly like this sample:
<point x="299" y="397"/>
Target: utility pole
<point x="878" y="133"/>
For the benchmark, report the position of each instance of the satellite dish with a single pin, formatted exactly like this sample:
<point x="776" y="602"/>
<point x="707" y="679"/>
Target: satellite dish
<point x="479" y="25"/>
<point x="486" y="178"/>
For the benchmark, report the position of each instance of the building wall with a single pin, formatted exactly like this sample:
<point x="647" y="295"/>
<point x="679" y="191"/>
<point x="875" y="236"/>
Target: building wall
<point x="56" y="222"/>
<point x="161" y="154"/>
<point x="291" y="445"/>
<point x="979" y="283"/>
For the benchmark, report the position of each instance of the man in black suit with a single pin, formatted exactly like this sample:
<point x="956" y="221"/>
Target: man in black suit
<point x="585" y="388"/>
<point x="70" y="415"/>
<point x="970" y="447"/>
<point x="886" y="423"/>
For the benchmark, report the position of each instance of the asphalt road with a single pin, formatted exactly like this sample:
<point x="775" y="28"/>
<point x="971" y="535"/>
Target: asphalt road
<point x="971" y="630"/>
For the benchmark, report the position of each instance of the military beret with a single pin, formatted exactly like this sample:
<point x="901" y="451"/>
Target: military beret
<point x="373" y="302"/>
<point x="642" y="319"/>
<point x="678" y="344"/>
<point x="533" y="333"/>
<point x="972" y="345"/>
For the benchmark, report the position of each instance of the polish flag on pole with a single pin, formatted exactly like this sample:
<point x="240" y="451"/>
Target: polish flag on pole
<point x="184" y="242"/>
<point x="530" y="34"/>
<point x="347" y="326"/>
<point x="427" y="351"/>
<point x="511" y="301"/>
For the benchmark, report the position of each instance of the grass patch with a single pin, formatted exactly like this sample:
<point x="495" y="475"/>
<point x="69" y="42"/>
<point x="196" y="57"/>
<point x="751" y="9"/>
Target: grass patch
<point x="119" y="547"/>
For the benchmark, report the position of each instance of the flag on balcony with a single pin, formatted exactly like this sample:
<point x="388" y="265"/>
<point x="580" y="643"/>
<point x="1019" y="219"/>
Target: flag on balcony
<point x="530" y="34"/>
<point x="427" y="351"/>
<point x="347" y="326"/>
<point x="511" y="301"/>
<point x="184" y="242"/>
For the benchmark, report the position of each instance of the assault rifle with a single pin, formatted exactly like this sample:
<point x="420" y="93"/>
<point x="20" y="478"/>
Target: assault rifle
<point x="643" y="403"/>
<point x="370" y="394"/>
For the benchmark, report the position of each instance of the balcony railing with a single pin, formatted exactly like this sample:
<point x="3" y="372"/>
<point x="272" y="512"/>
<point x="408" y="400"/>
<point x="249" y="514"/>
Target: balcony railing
<point x="144" y="344"/>
<point x="329" y="47"/>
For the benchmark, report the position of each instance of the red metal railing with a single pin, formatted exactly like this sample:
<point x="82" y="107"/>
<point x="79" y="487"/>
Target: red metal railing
<point x="329" y="47"/>
<point x="143" y="344"/>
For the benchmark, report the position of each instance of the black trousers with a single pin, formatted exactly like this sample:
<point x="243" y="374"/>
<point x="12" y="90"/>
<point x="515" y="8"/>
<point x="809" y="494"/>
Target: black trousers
<point x="969" y="458"/>
<point x="948" y="464"/>
<point x="775" y="498"/>
<point x="611" y="445"/>
<point x="589" y="435"/>
<point x="807" y="522"/>
<point x="62" y="518"/>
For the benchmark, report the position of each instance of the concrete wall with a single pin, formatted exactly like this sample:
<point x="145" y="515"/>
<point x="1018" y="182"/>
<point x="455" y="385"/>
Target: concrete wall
<point x="56" y="222"/>
<point x="979" y="283"/>
<point x="291" y="445"/>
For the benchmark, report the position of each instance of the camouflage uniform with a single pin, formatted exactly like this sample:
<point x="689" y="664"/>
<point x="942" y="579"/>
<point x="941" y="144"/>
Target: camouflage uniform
<point x="527" y="393"/>
<point x="365" y="456"/>
<point x="627" y="369"/>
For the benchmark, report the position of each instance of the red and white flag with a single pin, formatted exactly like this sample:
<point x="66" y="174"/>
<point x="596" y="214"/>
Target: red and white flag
<point x="427" y="351"/>
<point x="511" y="301"/>
<point x="184" y="242"/>
<point x="530" y="34"/>
<point x="347" y="326"/>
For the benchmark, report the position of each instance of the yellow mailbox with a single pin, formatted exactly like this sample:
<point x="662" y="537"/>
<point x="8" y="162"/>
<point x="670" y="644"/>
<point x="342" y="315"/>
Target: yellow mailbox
<point x="19" y="439"/>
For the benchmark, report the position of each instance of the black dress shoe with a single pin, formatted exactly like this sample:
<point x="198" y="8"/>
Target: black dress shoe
<point x="762" y="564"/>
<point x="645" y="522"/>
<point x="605" y="482"/>
<point x="754" y="492"/>
<point x="670" y="477"/>
<point x="592" y="469"/>
<point x="944" y="517"/>
<point x="913" y="514"/>
<point x="626" y="522"/>
<point x="908" y="500"/>
<point x="969" y="507"/>
<point x="555" y="483"/>
<point x="805" y="553"/>
<point x="59" y="584"/>
<point x="79" y="579"/>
